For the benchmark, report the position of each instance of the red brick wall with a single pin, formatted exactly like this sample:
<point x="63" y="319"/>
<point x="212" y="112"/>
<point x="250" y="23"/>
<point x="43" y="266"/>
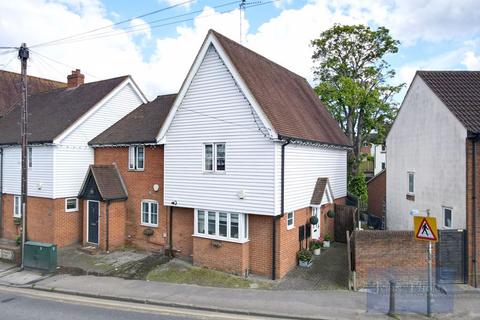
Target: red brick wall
<point x="260" y="246"/>
<point x="47" y="221"/>
<point x="183" y="219"/>
<point x="377" y="189"/>
<point x="228" y="256"/>
<point x="326" y="223"/>
<point x="383" y="255"/>
<point x="139" y="185"/>
<point x="470" y="237"/>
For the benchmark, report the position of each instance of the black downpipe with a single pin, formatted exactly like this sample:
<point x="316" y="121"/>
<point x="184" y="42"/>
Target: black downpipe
<point x="1" y="192"/>
<point x="107" y="225"/>
<point x="474" y="207"/>
<point x="282" y="209"/>
<point x="170" y="234"/>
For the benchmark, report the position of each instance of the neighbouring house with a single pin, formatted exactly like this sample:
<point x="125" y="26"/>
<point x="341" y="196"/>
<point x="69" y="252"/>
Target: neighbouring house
<point x="11" y="89"/>
<point x="248" y="150"/>
<point x="433" y="162"/>
<point x="377" y="192"/>
<point x="130" y="161"/>
<point x="375" y="159"/>
<point x="61" y="123"/>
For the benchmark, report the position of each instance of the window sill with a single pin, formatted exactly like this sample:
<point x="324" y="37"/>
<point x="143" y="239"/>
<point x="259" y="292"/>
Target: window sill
<point x="72" y="210"/>
<point x="240" y="241"/>
<point x="149" y="225"/>
<point x="136" y="170"/>
<point x="410" y="197"/>
<point x="214" y="172"/>
<point x="290" y="227"/>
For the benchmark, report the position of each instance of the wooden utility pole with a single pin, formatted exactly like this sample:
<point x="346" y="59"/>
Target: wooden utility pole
<point x="23" y="54"/>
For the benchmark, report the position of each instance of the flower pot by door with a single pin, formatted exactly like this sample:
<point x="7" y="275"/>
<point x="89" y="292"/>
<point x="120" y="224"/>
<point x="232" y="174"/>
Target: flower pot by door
<point x="317" y="251"/>
<point x="305" y="264"/>
<point x="326" y="244"/>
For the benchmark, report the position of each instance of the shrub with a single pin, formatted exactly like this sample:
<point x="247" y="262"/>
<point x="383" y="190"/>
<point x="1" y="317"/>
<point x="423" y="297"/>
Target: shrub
<point x="304" y="255"/>
<point x="357" y="185"/>
<point x="327" y="237"/>
<point x="316" y="244"/>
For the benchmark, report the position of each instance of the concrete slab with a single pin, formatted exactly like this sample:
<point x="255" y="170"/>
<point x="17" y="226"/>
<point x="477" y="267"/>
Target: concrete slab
<point x="22" y="278"/>
<point x="5" y="266"/>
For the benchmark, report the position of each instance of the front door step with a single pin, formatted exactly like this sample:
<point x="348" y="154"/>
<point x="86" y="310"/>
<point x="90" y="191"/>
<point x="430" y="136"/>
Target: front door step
<point x="90" y="249"/>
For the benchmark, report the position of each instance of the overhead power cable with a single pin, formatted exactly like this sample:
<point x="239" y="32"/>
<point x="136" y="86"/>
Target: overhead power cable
<point x="117" y="23"/>
<point x="61" y="63"/>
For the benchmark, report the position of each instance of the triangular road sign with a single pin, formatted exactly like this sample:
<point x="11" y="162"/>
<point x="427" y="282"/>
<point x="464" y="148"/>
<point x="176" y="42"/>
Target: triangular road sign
<point x="426" y="229"/>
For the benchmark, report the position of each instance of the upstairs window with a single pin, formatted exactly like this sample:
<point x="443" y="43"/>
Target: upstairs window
<point x="17" y="207"/>
<point x="30" y="155"/>
<point x="136" y="158"/>
<point x="411" y="183"/>
<point x="150" y="213"/>
<point x="447" y="217"/>
<point x="214" y="157"/>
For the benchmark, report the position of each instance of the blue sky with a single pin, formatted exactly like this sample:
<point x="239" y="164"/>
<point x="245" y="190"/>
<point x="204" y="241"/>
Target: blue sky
<point x="434" y="34"/>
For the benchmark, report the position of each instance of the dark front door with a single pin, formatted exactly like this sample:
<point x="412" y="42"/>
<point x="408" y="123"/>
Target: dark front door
<point x="93" y="213"/>
<point x="451" y="256"/>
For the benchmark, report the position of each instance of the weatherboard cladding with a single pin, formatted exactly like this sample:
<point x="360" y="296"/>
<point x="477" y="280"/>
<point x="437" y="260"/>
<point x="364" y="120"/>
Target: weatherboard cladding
<point x="289" y="102"/>
<point x="460" y="92"/>
<point x="11" y="89"/>
<point x="142" y="125"/>
<point x="215" y="110"/>
<point x="52" y="112"/>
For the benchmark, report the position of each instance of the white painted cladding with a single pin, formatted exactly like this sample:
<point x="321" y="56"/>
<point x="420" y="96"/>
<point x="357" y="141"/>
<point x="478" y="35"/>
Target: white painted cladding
<point x="428" y="140"/>
<point x="214" y="110"/>
<point x="304" y="165"/>
<point x="73" y="156"/>
<point x="40" y="175"/>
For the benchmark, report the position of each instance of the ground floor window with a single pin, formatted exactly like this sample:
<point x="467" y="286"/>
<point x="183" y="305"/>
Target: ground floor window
<point x="150" y="213"/>
<point x="290" y="220"/>
<point x="221" y="225"/>
<point x="447" y="217"/>
<point x="17" y="206"/>
<point x="71" y="204"/>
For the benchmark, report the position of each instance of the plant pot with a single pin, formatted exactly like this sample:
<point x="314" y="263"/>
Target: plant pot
<point x="305" y="264"/>
<point x="326" y="244"/>
<point x="317" y="252"/>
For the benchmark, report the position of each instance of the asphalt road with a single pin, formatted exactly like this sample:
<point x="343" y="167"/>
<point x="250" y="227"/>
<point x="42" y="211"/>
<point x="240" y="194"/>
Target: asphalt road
<point x="27" y="304"/>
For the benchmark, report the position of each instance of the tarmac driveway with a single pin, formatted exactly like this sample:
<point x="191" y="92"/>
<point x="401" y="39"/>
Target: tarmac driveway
<point x="329" y="271"/>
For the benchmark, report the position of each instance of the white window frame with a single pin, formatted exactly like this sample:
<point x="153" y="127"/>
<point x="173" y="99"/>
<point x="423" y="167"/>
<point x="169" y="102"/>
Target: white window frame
<point x="17" y="208"/>
<point x="410" y="173"/>
<point x="292" y="224"/>
<point x="30" y="157"/>
<point x="133" y="158"/>
<point x="150" y="202"/>
<point x="451" y="217"/>
<point x="242" y="226"/>
<point x="214" y="157"/>
<point x="76" y="205"/>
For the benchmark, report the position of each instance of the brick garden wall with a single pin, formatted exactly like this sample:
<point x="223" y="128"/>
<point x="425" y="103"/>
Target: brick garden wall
<point x="139" y="185"/>
<point x="377" y="189"/>
<point x="381" y="256"/>
<point x="470" y="264"/>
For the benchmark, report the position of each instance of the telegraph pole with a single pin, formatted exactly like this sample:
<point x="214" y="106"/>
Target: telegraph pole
<point x="23" y="54"/>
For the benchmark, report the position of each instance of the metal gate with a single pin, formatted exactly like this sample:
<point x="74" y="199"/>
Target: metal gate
<point x="344" y="220"/>
<point x="451" y="256"/>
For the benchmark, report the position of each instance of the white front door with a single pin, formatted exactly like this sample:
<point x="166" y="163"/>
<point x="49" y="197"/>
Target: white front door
<point x="316" y="228"/>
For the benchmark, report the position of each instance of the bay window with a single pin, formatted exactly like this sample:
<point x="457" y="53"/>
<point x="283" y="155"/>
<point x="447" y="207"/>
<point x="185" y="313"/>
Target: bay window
<point x="221" y="225"/>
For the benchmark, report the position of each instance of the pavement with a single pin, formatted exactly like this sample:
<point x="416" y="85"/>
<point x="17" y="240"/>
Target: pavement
<point x="329" y="271"/>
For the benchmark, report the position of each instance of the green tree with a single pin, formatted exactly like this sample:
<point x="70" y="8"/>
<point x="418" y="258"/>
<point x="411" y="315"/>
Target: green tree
<point x="355" y="81"/>
<point x="357" y="185"/>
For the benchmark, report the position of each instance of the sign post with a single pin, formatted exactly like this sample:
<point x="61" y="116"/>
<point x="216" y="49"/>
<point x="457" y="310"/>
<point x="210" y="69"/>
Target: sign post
<point x="425" y="229"/>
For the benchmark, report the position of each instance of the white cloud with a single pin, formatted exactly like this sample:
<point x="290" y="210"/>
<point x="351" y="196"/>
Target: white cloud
<point x="471" y="61"/>
<point x="181" y="3"/>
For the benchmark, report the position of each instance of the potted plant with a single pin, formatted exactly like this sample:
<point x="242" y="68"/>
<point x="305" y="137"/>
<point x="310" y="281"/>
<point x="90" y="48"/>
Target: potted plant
<point x="316" y="246"/>
<point x="304" y="258"/>
<point x="326" y="241"/>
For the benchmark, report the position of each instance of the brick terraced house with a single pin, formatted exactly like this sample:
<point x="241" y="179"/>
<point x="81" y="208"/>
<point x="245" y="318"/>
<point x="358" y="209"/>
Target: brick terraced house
<point x="245" y="144"/>
<point x="433" y="163"/>
<point x="61" y="123"/>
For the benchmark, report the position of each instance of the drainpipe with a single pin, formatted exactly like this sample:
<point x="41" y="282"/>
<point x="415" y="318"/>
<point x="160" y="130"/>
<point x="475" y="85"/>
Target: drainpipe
<point x="107" y="226"/>
<point x="170" y="233"/>
<point x="474" y="207"/>
<point x="282" y="210"/>
<point x="1" y="192"/>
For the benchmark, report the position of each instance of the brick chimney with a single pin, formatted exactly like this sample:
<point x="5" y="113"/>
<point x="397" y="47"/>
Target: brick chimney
<point x="75" y="79"/>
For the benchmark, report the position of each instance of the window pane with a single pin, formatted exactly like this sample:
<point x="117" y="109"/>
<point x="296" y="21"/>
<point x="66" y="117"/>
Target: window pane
<point x="140" y="157"/>
<point x="411" y="181"/>
<point x="220" y="157"/>
<point x="145" y="212"/>
<point x="448" y="218"/>
<point x="234" y="225"/>
<point x="290" y="219"/>
<point x="208" y="157"/>
<point x="211" y="222"/>
<point x="201" y="221"/>
<point x="154" y="218"/>
<point x="30" y="157"/>
<point x="71" y="204"/>
<point x="222" y="224"/>
<point x="131" y="158"/>
<point x="245" y="231"/>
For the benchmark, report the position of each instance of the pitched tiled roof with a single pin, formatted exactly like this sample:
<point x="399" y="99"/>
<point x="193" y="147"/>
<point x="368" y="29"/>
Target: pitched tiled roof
<point x="460" y="92"/>
<point x="109" y="182"/>
<point x="142" y="125"/>
<point x="11" y="89"/>
<point x="287" y="99"/>
<point x="52" y="112"/>
<point x="318" y="191"/>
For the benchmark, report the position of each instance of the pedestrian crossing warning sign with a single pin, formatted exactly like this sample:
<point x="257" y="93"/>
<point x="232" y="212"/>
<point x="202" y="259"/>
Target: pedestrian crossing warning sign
<point x="425" y="228"/>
